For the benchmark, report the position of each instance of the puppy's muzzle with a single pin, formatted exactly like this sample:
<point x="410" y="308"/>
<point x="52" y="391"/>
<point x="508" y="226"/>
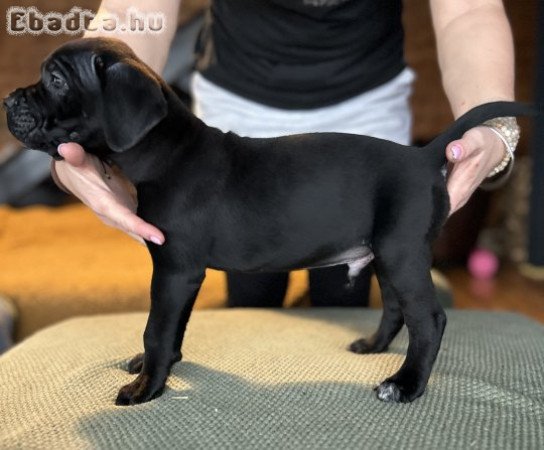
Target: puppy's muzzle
<point x="21" y="121"/>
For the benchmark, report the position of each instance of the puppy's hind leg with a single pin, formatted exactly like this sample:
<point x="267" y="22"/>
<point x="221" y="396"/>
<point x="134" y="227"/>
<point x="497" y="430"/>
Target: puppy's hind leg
<point x="390" y="324"/>
<point x="406" y="269"/>
<point x="135" y="364"/>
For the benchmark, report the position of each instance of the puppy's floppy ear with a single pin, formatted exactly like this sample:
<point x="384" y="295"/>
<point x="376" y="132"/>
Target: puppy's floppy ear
<point x="133" y="103"/>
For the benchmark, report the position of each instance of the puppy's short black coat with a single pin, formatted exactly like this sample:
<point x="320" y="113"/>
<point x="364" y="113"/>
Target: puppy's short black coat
<point x="244" y="204"/>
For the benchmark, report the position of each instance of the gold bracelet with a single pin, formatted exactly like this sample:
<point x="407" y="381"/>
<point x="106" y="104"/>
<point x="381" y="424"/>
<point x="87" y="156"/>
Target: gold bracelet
<point x="507" y="129"/>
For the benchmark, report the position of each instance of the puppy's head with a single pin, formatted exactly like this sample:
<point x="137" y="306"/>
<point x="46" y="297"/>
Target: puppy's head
<point x="95" y="92"/>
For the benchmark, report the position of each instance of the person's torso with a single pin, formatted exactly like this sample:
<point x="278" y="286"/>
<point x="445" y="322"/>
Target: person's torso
<point x="300" y="54"/>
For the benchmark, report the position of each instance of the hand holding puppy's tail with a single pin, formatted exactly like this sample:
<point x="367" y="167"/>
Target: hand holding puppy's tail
<point x="476" y="116"/>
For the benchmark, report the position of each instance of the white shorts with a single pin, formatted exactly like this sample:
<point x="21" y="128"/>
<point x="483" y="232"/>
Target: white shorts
<point x="383" y="112"/>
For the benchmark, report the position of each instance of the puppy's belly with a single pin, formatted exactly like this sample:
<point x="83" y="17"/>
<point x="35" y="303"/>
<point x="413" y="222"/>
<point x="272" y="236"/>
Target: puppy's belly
<point x="356" y="257"/>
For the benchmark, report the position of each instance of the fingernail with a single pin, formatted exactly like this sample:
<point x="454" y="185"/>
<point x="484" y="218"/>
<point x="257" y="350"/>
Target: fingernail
<point x="60" y="149"/>
<point x="456" y="152"/>
<point x="155" y="240"/>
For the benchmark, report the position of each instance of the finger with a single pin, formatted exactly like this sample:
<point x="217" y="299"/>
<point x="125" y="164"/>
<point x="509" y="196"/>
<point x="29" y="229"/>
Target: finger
<point x="56" y="178"/>
<point x="137" y="238"/>
<point x="124" y="219"/>
<point x="455" y="151"/>
<point x="460" y="187"/>
<point x="145" y="230"/>
<point x="73" y="153"/>
<point x="463" y="148"/>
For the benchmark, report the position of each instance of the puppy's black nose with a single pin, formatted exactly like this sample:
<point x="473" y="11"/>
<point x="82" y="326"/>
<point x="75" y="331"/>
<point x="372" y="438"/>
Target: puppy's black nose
<point x="9" y="102"/>
<point x="13" y="98"/>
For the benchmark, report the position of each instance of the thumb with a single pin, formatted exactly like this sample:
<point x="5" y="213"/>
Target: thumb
<point x="462" y="148"/>
<point x="73" y="153"/>
<point x="455" y="151"/>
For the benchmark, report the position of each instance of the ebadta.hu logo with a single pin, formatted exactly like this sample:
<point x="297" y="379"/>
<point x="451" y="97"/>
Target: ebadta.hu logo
<point x="30" y="20"/>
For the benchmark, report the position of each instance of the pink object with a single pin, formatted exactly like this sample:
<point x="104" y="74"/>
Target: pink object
<point x="456" y="152"/>
<point x="483" y="264"/>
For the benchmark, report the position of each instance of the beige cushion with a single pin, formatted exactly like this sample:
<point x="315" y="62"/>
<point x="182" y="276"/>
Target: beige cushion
<point x="275" y="379"/>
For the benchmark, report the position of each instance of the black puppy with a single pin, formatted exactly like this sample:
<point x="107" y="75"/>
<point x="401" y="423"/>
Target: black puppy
<point x="251" y="205"/>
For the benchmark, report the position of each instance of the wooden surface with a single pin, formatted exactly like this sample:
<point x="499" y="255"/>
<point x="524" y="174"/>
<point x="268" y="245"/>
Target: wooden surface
<point x="509" y="291"/>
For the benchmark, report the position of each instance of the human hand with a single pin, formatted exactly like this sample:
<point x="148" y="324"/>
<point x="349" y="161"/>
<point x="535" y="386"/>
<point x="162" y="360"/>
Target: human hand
<point x="111" y="196"/>
<point x="472" y="158"/>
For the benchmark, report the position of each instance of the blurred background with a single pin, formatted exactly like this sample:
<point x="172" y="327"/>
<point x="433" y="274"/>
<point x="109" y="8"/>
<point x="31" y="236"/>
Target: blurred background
<point x="57" y="260"/>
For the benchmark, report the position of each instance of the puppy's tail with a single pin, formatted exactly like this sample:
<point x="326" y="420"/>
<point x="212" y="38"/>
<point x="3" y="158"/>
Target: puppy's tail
<point x="476" y="116"/>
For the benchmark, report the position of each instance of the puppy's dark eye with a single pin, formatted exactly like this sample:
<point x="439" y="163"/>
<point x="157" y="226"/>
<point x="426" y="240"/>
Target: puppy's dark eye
<point x="57" y="82"/>
<point x="98" y="62"/>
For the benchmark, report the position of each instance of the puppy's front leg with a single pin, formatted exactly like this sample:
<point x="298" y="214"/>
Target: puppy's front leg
<point x="173" y="292"/>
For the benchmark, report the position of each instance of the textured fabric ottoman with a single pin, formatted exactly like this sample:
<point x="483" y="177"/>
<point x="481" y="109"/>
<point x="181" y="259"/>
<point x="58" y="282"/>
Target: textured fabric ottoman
<point x="275" y="379"/>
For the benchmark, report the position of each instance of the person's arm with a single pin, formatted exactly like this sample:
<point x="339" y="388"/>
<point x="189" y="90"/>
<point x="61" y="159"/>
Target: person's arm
<point x="476" y="57"/>
<point x="112" y="198"/>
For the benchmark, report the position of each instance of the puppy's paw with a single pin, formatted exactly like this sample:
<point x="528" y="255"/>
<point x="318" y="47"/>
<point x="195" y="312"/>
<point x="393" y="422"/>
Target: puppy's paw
<point x="135" y="364"/>
<point x="397" y="392"/>
<point x="388" y="392"/>
<point x="139" y="391"/>
<point x="363" y="346"/>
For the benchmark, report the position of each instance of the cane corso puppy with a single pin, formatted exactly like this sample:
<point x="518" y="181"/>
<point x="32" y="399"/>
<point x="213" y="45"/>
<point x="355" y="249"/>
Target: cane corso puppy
<point x="252" y="205"/>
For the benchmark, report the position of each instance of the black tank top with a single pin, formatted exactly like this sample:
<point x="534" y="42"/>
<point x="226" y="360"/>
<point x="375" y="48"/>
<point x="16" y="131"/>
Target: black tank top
<point x="301" y="54"/>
